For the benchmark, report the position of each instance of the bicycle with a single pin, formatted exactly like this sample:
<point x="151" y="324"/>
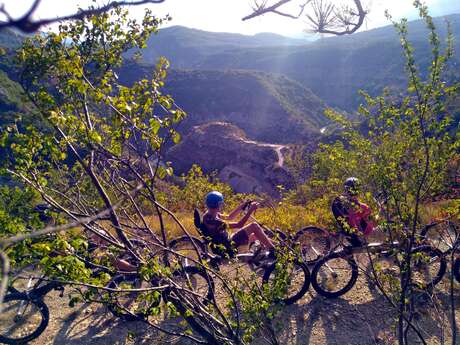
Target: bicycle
<point x="139" y="295"/>
<point x="312" y="241"/>
<point x="266" y="267"/>
<point x="336" y="273"/>
<point x="446" y="238"/>
<point x="25" y="315"/>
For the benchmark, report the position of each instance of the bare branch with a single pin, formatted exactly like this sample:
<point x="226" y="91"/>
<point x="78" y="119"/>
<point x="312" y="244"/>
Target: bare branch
<point x="4" y="282"/>
<point x="261" y="9"/>
<point x="323" y="16"/>
<point x="27" y="24"/>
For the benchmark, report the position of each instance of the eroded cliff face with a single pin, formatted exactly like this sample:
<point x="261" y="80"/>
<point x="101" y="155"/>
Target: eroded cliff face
<point x="248" y="166"/>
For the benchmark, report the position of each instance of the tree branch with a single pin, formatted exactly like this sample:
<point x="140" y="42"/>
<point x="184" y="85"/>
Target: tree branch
<point x="324" y="18"/>
<point x="27" y="24"/>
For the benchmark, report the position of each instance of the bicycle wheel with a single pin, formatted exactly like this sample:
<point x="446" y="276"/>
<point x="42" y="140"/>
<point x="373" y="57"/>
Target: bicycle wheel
<point x="132" y="305"/>
<point x="22" y="319"/>
<point x="334" y="275"/>
<point x="314" y="243"/>
<point x="456" y="269"/>
<point x="441" y="236"/>
<point x="295" y="280"/>
<point x="187" y="250"/>
<point x="142" y="248"/>
<point x="428" y="267"/>
<point x="195" y="283"/>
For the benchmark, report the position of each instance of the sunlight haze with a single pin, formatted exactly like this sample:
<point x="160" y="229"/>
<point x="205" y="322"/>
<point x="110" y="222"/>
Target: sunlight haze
<point x="226" y="15"/>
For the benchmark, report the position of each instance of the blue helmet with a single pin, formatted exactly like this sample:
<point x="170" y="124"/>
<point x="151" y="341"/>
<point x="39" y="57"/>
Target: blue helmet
<point x="214" y="199"/>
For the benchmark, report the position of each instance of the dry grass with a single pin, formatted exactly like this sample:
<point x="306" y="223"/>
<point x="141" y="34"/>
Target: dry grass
<point x="173" y="229"/>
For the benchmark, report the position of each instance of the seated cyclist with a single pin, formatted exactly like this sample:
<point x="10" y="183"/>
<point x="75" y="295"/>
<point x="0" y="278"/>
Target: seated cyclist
<point x="352" y="215"/>
<point x="97" y="242"/>
<point x="217" y="225"/>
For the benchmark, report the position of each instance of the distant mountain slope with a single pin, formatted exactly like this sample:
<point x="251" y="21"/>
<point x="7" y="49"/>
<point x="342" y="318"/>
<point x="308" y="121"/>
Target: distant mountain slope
<point x="12" y="102"/>
<point x="270" y="108"/>
<point x="10" y="38"/>
<point x="187" y="47"/>
<point x="333" y="68"/>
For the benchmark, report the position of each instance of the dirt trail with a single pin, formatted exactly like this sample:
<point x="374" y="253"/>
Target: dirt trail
<point x="361" y="317"/>
<point x="278" y="149"/>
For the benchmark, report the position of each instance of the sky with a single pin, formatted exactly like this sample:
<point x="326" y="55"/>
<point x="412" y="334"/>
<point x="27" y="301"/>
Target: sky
<point x="226" y="15"/>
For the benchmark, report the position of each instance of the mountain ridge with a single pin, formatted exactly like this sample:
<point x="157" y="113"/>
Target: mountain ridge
<point x="369" y="60"/>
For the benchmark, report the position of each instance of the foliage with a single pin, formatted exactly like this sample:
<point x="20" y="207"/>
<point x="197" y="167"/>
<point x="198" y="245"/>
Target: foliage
<point x="98" y="162"/>
<point x="94" y="139"/>
<point x="400" y="149"/>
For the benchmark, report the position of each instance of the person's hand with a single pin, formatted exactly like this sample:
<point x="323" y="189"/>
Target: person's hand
<point x="253" y="206"/>
<point x="245" y="205"/>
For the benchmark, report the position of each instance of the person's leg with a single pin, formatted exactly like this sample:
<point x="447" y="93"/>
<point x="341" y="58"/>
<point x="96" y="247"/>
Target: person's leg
<point x="123" y="265"/>
<point x="255" y="230"/>
<point x="352" y="238"/>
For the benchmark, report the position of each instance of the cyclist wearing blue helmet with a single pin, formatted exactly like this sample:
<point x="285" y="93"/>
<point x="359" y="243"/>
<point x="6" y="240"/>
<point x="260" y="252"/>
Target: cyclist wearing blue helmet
<point x="217" y="224"/>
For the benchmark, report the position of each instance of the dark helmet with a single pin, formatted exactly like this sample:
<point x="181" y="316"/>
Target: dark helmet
<point x="352" y="185"/>
<point x="44" y="211"/>
<point x="214" y="199"/>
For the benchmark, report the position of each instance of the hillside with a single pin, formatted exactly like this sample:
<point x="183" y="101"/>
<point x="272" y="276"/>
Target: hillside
<point x="10" y="38"/>
<point x="247" y="166"/>
<point x="12" y="102"/>
<point x="187" y="47"/>
<point x="269" y="108"/>
<point x="368" y="60"/>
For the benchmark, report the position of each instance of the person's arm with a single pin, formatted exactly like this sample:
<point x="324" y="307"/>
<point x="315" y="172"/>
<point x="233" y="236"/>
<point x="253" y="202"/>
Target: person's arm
<point x="240" y="224"/>
<point x="232" y="215"/>
<point x="365" y="210"/>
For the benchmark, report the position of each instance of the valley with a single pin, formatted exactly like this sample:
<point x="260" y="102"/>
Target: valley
<point x="272" y="87"/>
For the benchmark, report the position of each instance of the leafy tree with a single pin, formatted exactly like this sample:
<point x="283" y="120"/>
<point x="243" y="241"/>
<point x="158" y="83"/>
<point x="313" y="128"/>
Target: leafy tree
<point x="97" y="161"/>
<point x="401" y="148"/>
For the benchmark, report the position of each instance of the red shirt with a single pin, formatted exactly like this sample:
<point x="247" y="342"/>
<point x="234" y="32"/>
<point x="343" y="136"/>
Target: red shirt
<point x="354" y="212"/>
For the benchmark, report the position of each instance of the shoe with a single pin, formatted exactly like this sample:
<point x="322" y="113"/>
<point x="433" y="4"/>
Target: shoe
<point x="258" y="255"/>
<point x="255" y="246"/>
<point x="271" y="254"/>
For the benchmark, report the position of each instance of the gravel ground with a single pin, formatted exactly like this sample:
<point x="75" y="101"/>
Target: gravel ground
<point x="361" y="317"/>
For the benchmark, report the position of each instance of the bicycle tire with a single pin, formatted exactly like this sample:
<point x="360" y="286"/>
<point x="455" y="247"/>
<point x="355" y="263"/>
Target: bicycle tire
<point x="300" y="266"/>
<point x="325" y="262"/>
<point x="439" y="272"/>
<point x="442" y="236"/>
<point x="456" y="269"/>
<point x="42" y="309"/>
<point x="187" y="241"/>
<point x="321" y="239"/>
<point x="190" y="272"/>
<point x="114" y="306"/>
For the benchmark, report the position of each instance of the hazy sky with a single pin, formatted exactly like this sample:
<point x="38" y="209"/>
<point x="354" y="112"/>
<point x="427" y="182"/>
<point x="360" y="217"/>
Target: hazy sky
<point x="225" y="15"/>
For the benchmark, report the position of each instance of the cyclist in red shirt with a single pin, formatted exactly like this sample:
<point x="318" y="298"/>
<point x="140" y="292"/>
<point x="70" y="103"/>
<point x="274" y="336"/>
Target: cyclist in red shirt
<point x="352" y="215"/>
